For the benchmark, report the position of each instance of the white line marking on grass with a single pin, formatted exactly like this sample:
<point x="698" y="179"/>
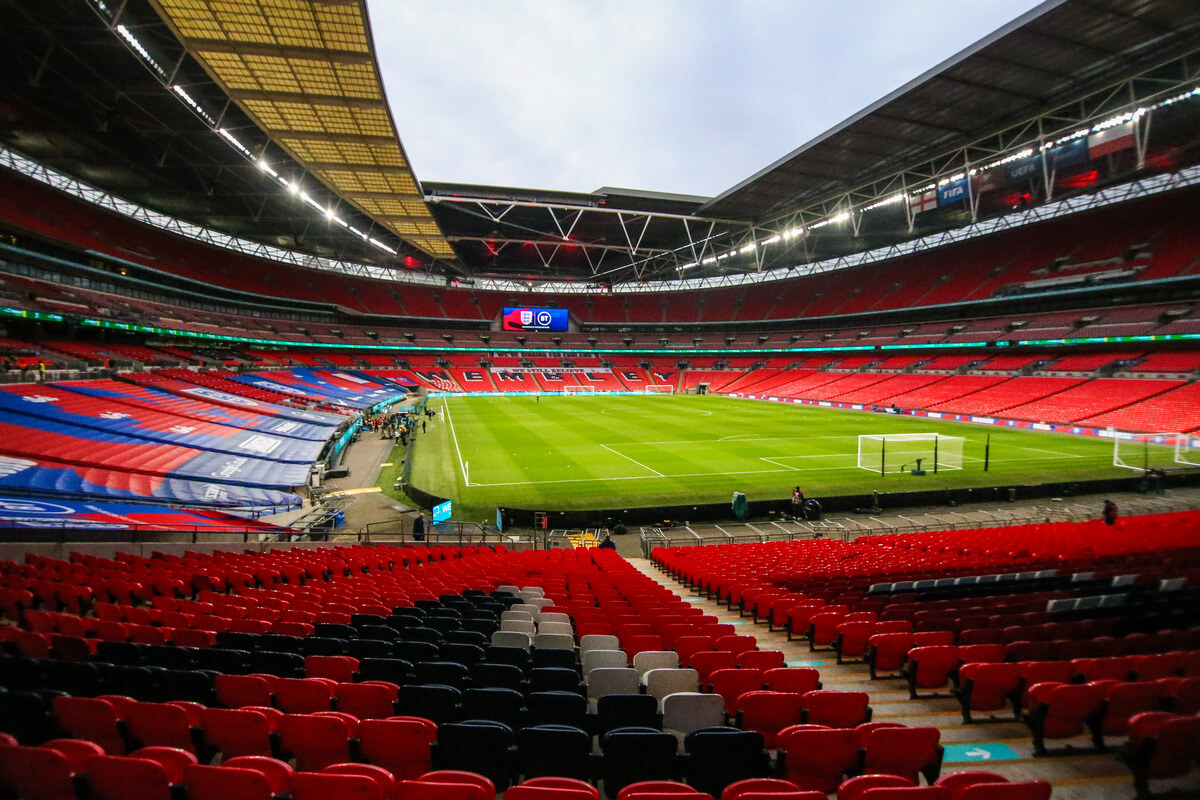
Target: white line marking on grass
<point x="772" y="461"/>
<point x="454" y="436"/>
<point x="648" y="478"/>
<point x="753" y="437"/>
<point x="1058" y="453"/>
<point x="640" y="464"/>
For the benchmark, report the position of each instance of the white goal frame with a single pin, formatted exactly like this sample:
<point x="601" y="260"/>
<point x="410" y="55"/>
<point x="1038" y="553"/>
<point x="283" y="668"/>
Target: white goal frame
<point x="581" y="389"/>
<point x="944" y="453"/>
<point x="1146" y="451"/>
<point x="659" y="388"/>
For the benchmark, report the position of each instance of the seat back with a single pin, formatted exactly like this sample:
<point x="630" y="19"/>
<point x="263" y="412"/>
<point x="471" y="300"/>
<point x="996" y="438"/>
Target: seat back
<point x="595" y="659"/>
<point x="768" y="713"/>
<point x="316" y="740"/>
<point x="238" y="732"/>
<point x="903" y="751"/>
<point x="554" y="750"/>
<point x="797" y="680"/>
<point x="717" y="757"/>
<point x="36" y="773"/>
<point x="611" y="680"/>
<point x="647" y="660"/>
<point x="836" y="709"/>
<point x="815" y="757"/>
<point x="662" y="682"/>
<point x="127" y="778"/>
<point x="226" y="783"/>
<point x="327" y="786"/>
<point x="401" y="745"/>
<point x="92" y="719"/>
<point x="684" y="712"/>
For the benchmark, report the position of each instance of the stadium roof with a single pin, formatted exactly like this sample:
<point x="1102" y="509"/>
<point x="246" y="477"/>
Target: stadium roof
<point x="141" y="123"/>
<point x="1058" y="52"/>
<point x="295" y="85"/>
<point x="307" y="74"/>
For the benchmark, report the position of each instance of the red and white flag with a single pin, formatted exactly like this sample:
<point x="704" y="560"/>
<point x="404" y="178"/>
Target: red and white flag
<point x="1110" y="140"/>
<point x="926" y="201"/>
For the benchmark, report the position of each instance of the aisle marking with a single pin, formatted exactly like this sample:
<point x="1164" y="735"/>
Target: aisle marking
<point x="982" y="751"/>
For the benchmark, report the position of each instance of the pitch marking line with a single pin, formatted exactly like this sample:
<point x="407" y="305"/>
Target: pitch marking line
<point x="772" y="461"/>
<point x="454" y="436"/>
<point x="650" y="478"/>
<point x="640" y="464"/>
<point x="1057" y="453"/>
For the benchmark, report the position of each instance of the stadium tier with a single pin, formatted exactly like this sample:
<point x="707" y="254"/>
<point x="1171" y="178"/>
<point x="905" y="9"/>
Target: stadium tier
<point x="447" y="664"/>
<point x="219" y="270"/>
<point x="935" y="278"/>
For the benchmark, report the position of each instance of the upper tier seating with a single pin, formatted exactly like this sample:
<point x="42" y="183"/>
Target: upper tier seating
<point x="1092" y="242"/>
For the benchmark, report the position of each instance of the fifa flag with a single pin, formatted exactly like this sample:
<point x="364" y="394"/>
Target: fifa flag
<point x="926" y="201"/>
<point x="952" y="192"/>
<point x="1110" y="140"/>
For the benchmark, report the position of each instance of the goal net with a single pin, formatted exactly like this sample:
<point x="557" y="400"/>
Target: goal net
<point x="1146" y="451"/>
<point x="579" y="389"/>
<point x="899" y="452"/>
<point x="659" y="388"/>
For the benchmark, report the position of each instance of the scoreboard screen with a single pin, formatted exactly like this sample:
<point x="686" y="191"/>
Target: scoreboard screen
<point x="535" y="319"/>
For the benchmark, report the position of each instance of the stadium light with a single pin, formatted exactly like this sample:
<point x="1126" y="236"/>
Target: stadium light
<point x="191" y="102"/>
<point x="233" y="140"/>
<point x="748" y="249"/>
<point x="887" y="201"/>
<point x="381" y="245"/>
<point x="834" y="220"/>
<point x="265" y="167"/>
<point x="138" y="48"/>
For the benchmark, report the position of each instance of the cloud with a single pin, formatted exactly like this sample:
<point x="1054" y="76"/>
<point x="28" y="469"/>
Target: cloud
<point x="687" y="96"/>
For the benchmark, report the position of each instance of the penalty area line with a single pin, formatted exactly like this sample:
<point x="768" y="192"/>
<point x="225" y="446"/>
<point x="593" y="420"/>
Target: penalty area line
<point x="640" y="464"/>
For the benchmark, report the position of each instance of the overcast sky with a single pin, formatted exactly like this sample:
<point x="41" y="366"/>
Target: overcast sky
<point x="685" y="96"/>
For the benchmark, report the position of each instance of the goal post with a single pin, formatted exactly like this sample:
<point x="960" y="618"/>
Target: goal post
<point x="900" y="452"/>
<point x="1147" y="451"/>
<point x="659" y="388"/>
<point x="579" y="389"/>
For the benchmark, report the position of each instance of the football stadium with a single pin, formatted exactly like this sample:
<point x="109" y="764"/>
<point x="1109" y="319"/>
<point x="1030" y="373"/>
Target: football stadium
<point x="319" y="481"/>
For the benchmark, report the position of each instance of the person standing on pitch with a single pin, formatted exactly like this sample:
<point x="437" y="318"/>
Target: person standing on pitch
<point x="1109" y="513"/>
<point x="797" y="502"/>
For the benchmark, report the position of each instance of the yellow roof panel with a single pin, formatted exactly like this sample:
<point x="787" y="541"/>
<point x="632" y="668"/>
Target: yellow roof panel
<point x="305" y="72"/>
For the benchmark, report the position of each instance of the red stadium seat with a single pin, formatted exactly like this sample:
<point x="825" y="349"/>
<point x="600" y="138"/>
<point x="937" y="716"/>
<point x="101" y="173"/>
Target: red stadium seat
<point x="904" y="752"/>
<point x="836" y="709"/>
<point x="733" y="683"/>
<point x="816" y="757"/>
<point x="37" y="773"/>
<point x="798" y="680"/>
<point x="330" y="786"/>
<point x="1160" y="745"/>
<point x="398" y="744"/>
<point x="768" y="713"/>
<point x="316" y="740"/>
<point x="239" y="732"/>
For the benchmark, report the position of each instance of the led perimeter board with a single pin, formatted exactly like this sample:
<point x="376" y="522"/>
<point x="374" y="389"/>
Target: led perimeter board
<point x="535" y="319"/>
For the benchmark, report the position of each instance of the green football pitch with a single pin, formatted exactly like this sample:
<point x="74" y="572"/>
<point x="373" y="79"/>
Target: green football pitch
<point x="600" y="451"/>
